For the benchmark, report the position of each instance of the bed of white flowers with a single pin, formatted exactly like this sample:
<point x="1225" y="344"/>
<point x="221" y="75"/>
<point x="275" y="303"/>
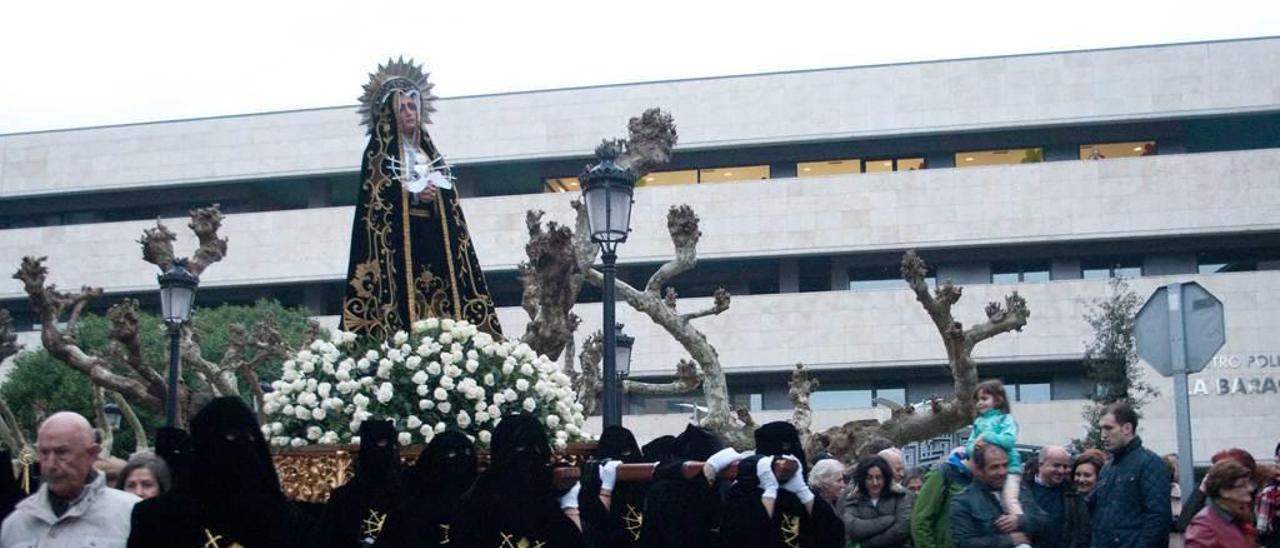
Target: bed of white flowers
<point x="445" y="374"/>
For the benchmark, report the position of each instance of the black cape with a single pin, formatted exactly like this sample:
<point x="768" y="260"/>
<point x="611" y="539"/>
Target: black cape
<point x="747" y="524"/>
<point x="513" y="503"/>
<point x="357" y="511"/>
<point x="232" y="494"/>
<point x="679" y="512"/>
<point x="10" y="492"/>
<point x="409" y="260"/>
<point x="432" y="488"/>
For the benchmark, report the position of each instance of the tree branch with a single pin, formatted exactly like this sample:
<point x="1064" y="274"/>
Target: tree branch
<point x="49" y="303"/>
<point x="682" y="224"/>
<point x="721" y="304"/>
<point x="8" y="336"/>
<point x="205" y="222"/>
<point x="123" y="317"/>
<point x="687" y="380"/>
<point x="157" y="246"/>
<point x="100" y="418"/>
<point x="799" y="391"/>
<point x="139" y="433"/>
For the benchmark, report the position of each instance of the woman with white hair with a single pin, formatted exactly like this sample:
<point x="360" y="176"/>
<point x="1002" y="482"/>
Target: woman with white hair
<point x="826" y="479"/>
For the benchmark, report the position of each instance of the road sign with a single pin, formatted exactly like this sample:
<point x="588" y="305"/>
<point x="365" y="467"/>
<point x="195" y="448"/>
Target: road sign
<point x="1178" y="331"/>
<point x="1192" y="323"/>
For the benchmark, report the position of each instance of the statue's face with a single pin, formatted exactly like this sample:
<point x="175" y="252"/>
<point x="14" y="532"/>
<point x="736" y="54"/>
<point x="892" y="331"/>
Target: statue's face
<point x="407" y="116"/>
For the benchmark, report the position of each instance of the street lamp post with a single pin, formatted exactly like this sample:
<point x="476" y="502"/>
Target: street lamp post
<point x="177" y="294"/>
<point x="114" y="415"/>
<point x="607" y="189"/>
<point x="622" y="359"/>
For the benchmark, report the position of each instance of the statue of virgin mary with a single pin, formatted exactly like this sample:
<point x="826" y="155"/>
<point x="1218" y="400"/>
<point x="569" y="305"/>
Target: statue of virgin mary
<point x="411" y="254"/>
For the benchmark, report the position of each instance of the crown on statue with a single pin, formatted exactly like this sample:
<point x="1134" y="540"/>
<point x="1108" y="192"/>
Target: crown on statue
<point x="395" y="75"/>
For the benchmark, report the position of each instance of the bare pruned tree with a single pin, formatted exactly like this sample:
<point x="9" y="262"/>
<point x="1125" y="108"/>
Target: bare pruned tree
<point x="123" y="368"/>
<point x="943" y="415"/>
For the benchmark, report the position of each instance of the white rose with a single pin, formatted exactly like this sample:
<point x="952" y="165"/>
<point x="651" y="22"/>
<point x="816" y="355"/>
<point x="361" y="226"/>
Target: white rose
<point x="324" y="389"/>
<point x="366" y="381"/>
<point x="445" y="338"/>
<point x="404" y="438"/>
<point x="488" y="379"/>
<point x="499" y="398"/>
<point x="317" y="414"/>
<point x="526" y="369"/>
<point x="529" y="405"/>
<point x="433" y="368"/>
<point x="440" y="427"/>
<point x="413" y="421"/>
<point x="314" y="433"/>
<point x="447" y="324"/>
<point x="441" y="394"/>
<point x="266" y="429"/>
<point x="480" y="406"/>
<point x="445" y="407"/>
<point x="385" y="392"/>
<point x="463" y="419"/>
<point x="302" y="413"/>
<point x="423" y="390"/>
<point x="482" y="417"/>
<point x="508" y="367"/>
<point x="277" y="428"/>
<point x="400" y="337"/>
<point x="419" y="377"/>
<point x="297" y="442"/>
<point x="485" y="436"/>
<point x="384" y="371"/>
<point x="413" y="362"/>
<point x="522" y="385"/>
<point x="446" y="383"/>
<point x="307" y="367"/>
<point x="395" y="355"/>
<point x="426" y="404"/>
<point x="343" y="375"/>
<point x="553" y="421"/>
<point x="502" y="350"/>
<point x="361" y="401"/>
<point x="510" y="394"/>
<point x="371" y="355"/>
<point x="494" y="411"/>
<point x="472" y="365"/>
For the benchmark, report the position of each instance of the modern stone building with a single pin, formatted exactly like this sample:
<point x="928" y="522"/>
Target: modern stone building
<point x="822" y="179"/>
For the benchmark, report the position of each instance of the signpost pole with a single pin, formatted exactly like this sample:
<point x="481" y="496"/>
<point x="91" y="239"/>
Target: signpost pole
<point x="1181" y="397"/>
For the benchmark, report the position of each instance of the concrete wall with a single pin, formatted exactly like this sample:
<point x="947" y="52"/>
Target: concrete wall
<point x="1049" y="202"/>
<point x="947" y="96"/>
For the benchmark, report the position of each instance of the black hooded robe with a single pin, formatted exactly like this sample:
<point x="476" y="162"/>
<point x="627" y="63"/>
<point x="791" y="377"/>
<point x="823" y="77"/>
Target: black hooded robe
<point x="822" y="528"/>
<point x="513" y="503"/>
<point x="432" y="488"/>
<point x="10" y="493"/>
<point x="619" y="524"/>
<point x="680" y="512"/>
<point x="232" y="493"/>
<point x="357" y="511"/>
<point x="410" y="260"/>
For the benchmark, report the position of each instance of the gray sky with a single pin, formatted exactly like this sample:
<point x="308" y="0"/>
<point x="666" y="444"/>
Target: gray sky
<point x="78" y="63"/>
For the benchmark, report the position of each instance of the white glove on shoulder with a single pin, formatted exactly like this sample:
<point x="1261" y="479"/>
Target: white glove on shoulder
<point x="609" y="475"/>
<point x="723" y="458"/>
<point x="796" y="483"/>
<point x="768" y="482"/>
<point x="570" y="499"/>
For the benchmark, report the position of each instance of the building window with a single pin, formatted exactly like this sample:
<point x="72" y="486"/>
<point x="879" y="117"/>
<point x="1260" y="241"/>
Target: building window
<point x="1214" y="262"/>
<point x="1000" y="157"/>
<point x="854" y="398"/>
<point x="873" y="278"/>
<point x="660" y="178"/>
<point x="893" y="164"/>
<point x="1110" y="267"/>
<point x="560" y="184"/>
<point x="752" y="402"/>
<point x="830" y="167"/>
<point x="1102" y="151"/>
<point x="1012" y="273"/>
<point x="730" y="174"/>
<point x="1029" y="391"/>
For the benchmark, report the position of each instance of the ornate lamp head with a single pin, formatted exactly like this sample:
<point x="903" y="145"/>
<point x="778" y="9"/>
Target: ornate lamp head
<point x="396" y="75"/>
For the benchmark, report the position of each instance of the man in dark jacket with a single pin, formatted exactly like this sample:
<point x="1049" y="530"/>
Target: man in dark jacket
<point x="1068" y="516"/>
<point x="931" y="513"/>
<point x="1130" y="505"/>
<point x="978" y="519"/>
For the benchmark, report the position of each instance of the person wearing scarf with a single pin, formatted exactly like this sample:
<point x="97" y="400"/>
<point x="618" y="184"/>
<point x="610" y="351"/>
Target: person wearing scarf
<point x="1227" y="519"/>
<point x="432" y="488"/>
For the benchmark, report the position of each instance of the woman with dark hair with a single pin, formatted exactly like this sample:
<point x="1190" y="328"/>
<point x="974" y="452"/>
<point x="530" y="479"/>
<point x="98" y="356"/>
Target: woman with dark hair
<point x="1227" y="519"/>
<point x="145" y="475"/>
<point x="877" y="511"/>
